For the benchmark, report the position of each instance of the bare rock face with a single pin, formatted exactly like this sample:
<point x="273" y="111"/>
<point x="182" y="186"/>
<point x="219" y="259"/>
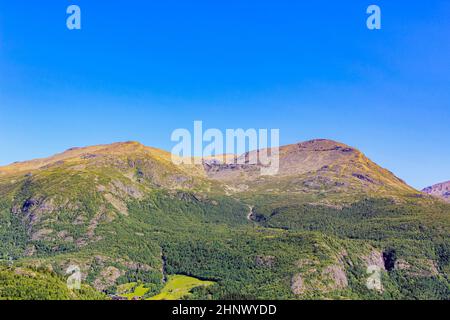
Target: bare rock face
<point x="107" y="278"/>
<point x="337" y="274"/>
<point x="297" y="284"/>
<point x="440" y="190"/>
<point x="402" y="264"/>
<point x="331" y="278"/>
<point x="30" y="250"/>
<point x="310" y="165"/>
<point x="375" y="258"/>
<point x="42" y="234"/>
<point x="419" y="268"/>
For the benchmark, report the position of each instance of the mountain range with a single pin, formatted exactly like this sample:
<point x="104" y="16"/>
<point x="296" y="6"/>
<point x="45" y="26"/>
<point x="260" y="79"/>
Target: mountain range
<point x="441" y="190"/>
<point x="135" y="224"/>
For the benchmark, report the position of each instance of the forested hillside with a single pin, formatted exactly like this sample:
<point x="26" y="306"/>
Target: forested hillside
<point x="131" y="220"/>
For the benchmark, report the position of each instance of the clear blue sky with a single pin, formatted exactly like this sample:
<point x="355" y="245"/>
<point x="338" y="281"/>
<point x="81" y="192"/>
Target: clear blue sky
<point x="140" y="69"/>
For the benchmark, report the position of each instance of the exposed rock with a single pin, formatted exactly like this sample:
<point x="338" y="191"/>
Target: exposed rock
<point x="87" y="156"/>
<point x="30" y="251"/>
<point x="79" y="220"/>
<point x="424" y="268"/>
<point x="331" y="278"/>
<point x="362" y="177"/>
<point x="441" y="190"/>
<point x="316" y="165"/>
<point x="81" y="242"/>
<point x="430" y="267"/>
<point x="42" y="234"/>
<point x="94" y="223"/>
<point x="375" y="258"/>
<point x="135" y="265"/>
<point x="121" y="189"/>
<point x="107" y="278"/>
<point x="304" y="262"/>
<point x="24" y="272"/>
<point x="401" y="264"/>
<point x="62" y="234"/>
<point x="337" y="276"/>
<point x="46" y="206"/>
<point x="29" y="205"/>
<point x="343" y="258"/>
<point x="265" y="261"/>
<point x="297" y="284"/>
<point x="418" y="267"/>
<point x="117" y="203"/>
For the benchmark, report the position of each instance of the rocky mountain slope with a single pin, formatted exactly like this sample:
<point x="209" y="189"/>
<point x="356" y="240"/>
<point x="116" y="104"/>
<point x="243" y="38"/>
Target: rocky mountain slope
<point x="125" y="214"/>
<point x="320" y="165"/>
<point x="440" y="190"/>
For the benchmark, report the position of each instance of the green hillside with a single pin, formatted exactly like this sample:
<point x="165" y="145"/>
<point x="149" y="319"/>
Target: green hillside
<point x="125" y="214"/>
<point x="25" y="284"/>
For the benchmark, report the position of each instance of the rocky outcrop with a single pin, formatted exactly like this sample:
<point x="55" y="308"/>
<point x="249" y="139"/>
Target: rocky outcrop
<point x="424" y="268"/>
<point x="265" y="261"/>
<point x="375" y="258"/>
<point x="107" y="278"/>
<point x="338" y="277"/>
<point x="297" y="284"/>
<point x="314" y="278"/>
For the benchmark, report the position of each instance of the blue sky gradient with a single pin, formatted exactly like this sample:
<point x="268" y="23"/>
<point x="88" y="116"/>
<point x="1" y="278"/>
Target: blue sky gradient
<point x="140" y="69"/>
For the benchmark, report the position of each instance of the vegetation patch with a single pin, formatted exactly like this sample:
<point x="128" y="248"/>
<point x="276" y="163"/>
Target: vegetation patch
<point x="179" y="286"/>
<point x="137" y="291"/>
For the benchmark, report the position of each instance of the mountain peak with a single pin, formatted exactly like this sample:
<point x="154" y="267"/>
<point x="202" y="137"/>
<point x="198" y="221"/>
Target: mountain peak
<point x="322" y="143"/>
<point x="116" y="149"/>
<point x="320" y="163"/>
<point x="440" y="190"/>
<point x="111" y="145"/>
<point x="319" y="145"/>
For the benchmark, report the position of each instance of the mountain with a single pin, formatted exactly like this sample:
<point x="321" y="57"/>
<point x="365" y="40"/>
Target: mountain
<point x="441" y="190"/>
<point x="317" y="165"/>
<point x="128" y="158"/>
<point x="132" y="221"/>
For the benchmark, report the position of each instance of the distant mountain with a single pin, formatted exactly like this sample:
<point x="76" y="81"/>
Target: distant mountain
<point x="308" y="167"/>
<point x="316" y="165"/>
<point x="131" y="159"/>
<point x="440" y="190"/>
<point x="130" y="219"/>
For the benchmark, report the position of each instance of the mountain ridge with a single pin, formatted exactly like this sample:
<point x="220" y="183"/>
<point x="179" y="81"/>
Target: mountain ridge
<point x="439" y="190"/>
<point x="333" y="160"/>
<point x="127" y="216"/>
